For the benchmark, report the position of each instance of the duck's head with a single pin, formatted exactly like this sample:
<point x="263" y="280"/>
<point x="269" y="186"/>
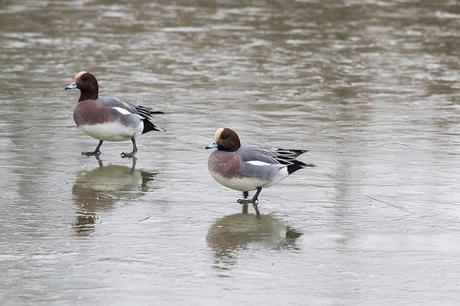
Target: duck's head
<point x="225" y="139"/>
<point x="87" y="84"/>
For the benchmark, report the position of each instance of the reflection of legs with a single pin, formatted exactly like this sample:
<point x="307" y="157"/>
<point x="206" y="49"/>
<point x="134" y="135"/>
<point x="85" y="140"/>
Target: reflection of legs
<point x="99" y="161"/>
<point x="96" y="152"/>
<point x="256" y="209"/>
<point x="133" y="167"/>
<point x="253" y="201"/>
<point x="124" y="155"/>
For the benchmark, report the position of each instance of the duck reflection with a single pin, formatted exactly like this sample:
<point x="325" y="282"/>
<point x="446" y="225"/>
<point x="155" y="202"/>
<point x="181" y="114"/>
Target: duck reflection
<point x="232" y="233"/>
<point x="97" y="190"/>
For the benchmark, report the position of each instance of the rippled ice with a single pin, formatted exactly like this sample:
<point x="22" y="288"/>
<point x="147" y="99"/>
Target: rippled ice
<point x="370" y="88"/>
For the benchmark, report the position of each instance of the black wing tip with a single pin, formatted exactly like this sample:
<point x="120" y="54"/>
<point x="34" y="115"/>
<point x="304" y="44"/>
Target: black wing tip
<point x="147" y="110"/>
<point x="297" y="165"/>
<point x="297" y="152"/>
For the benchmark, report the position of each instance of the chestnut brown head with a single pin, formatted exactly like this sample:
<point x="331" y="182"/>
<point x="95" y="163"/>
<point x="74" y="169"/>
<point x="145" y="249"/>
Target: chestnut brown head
<point x="225" y="139"/>
<point x="87" y="84"/>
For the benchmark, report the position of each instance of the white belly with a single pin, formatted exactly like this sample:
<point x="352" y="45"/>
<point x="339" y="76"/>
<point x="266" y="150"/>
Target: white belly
<point x="112" y="131"/>
<point x="249" y="183"/>
<point x="239" y="183"/>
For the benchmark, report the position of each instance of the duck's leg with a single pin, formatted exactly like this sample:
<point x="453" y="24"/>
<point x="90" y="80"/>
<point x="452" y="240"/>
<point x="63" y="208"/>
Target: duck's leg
<point x="133" y="153"/>
<point x="245" y="206"/>
<point x="96" y="152"/>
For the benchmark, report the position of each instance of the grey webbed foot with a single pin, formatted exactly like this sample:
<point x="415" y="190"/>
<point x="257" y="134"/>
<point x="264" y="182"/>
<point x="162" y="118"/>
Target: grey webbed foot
<point x="133" y="153"/>
<point x="96" y="151"/>
<point x="246" y="201"/>
<point x="93" y="153"/>
<point x="250" y="201"/>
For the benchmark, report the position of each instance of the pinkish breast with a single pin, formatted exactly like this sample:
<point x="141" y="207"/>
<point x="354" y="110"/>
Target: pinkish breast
<point x="91" y="112"/>
<point x="226" y="164"/>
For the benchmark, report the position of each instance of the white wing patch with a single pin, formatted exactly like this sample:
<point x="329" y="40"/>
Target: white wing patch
<point x="122" y="111"/>
<point x="258" y="163"/>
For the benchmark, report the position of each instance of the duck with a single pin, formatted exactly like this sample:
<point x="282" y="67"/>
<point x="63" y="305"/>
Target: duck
<point x="247" y="167"/>
<point x="108" y="118"/>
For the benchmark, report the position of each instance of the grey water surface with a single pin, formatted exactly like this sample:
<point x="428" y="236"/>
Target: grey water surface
<point x="371" y="88"/>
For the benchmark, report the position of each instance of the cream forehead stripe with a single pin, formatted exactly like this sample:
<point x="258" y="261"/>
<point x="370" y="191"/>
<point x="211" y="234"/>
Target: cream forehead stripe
<point x="217" y="134"/>
<point x="79" y="75"/>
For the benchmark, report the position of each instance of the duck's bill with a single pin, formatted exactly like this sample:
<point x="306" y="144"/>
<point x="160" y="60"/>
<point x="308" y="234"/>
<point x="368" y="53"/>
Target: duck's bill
<point x="212" y="145"/>
<point x="72" y="85"/>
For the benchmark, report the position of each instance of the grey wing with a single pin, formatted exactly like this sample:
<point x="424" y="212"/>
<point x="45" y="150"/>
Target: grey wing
<point x="145" y="111"/>
<point x="254" y="152"/>
<point x="125" y="112"/>
<point x="142" y="112"/>
<point x="119" y="105"/>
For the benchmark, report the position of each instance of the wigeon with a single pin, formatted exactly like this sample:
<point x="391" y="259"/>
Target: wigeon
<point x="247" y="167"/>
<point x="108" y="118"/>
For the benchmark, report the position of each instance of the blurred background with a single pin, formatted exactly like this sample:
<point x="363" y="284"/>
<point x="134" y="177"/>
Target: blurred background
<point x="370" y="88"/>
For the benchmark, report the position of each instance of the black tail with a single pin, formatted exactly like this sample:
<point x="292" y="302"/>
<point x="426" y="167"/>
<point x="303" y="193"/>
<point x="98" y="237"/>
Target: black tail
<point x="150" y="126"/>
<point x="297" y="165"/>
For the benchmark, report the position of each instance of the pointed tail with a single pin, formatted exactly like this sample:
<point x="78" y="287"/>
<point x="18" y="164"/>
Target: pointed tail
<point x="150" y="126"/>
<point x="297" y="165"/>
